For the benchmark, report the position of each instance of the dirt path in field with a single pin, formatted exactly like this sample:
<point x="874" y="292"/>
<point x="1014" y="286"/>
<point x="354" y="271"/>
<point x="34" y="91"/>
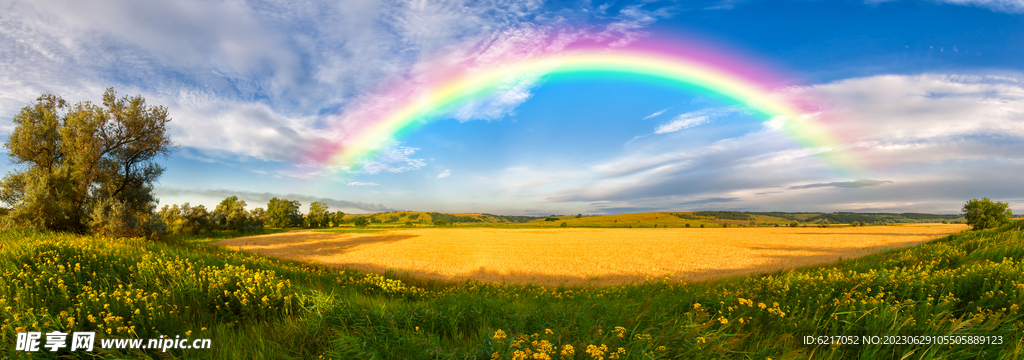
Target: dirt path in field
<point x="586" y="256"/>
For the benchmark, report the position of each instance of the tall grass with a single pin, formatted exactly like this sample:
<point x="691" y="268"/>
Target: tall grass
<point x="254" y="307"/>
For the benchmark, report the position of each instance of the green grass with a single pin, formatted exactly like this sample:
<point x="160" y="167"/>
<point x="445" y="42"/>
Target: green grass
<point x="217" y="235"/>
<point x="254" y="307"/>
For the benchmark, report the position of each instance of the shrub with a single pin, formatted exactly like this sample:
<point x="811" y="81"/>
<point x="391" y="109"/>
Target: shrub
<point x="565" y="224"/>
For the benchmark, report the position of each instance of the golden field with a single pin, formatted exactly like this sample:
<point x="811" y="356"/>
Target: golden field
<point x="587" y="256"/>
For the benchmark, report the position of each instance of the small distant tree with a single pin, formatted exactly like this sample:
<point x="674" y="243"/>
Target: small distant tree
<point x="282" y="213"/>
<point x="230" y="214"/>
<point x="318" y="214"/>
<point x="565" y="224"/>
<point x="338" y="218"/>
<point x="186" y="219"/>
<point x="579" y="216"/>
<point x="702" y="225"/>
<point x="794" y="223"/>
<point x="361" y="221"/>
<point x="985" y="214"/>
<point x="440" y="222"/>
<point x="408" y="223"/>
<point x="687" y="224"/>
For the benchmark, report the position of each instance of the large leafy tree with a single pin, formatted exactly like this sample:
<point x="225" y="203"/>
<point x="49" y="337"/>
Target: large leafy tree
<point x="86" y="165"/>
<point x="986" y="214"/>
<point x="318" y="214"/>
<point x="282" y="213"/>
<point x="230" y="214"/>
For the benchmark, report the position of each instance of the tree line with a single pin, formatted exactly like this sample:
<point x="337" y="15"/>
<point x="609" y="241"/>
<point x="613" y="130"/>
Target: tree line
<point x="230" y="215"/>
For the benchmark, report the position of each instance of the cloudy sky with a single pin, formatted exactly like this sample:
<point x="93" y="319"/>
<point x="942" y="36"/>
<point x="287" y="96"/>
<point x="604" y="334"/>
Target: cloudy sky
<point x="927" y="95"/>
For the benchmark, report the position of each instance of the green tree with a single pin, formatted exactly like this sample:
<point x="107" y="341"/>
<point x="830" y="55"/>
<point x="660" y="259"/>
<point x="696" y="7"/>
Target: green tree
<point x="565" y="224"/>
<point x="84" y="165"/>
<point x="361" y="221"/>
<point x="230" y="214"/>
<point x="282" y="213"/>
<point x="985" y="214"/>
<point x="186" y="219"/>
<point x="318" y="214"/>
<point x="440" y="222"/>
<point x="338" y="218"/>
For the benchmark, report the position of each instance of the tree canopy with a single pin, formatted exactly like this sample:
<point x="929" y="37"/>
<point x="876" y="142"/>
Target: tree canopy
<point x="318" y="214"/>
<point x="986" y="214"/>
<point x="86" y="166"/>
<point x="282" y="213"/>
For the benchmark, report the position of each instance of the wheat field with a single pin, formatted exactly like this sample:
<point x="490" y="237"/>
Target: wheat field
<point x="587" y="256"/>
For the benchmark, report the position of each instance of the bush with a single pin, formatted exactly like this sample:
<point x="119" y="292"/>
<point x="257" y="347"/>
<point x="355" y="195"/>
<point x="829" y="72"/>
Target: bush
<point x="440" y="222"/>
<point x="794" y="223"/>
<point x="112" y="218"/>
<point x="565" y="224"/>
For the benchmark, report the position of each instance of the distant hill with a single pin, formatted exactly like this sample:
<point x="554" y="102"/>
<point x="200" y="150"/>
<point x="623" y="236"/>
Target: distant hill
<point x="709" y="218"/>
<point x="426" y="217"/>
<point x="870" y="218"/>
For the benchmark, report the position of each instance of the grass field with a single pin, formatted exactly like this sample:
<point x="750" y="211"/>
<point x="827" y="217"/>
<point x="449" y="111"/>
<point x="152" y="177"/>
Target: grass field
<point x="964" y="286"/>
<point x="586" y="256"/>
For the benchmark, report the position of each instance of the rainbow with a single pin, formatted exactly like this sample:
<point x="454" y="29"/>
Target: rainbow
<point x="372" y="128"/>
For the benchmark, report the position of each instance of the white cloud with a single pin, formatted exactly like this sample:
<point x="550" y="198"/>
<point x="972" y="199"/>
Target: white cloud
<point x="1010" y="6"/>
<point x="691" y="119"/>
<point x="358" y="183"/>
<point x="394" y="160"/>
<point x="654" y="114"/>
<point x="444" y="174"/>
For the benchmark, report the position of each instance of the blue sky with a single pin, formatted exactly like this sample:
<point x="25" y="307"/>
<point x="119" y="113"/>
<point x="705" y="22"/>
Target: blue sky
<point x="931" y="94"/>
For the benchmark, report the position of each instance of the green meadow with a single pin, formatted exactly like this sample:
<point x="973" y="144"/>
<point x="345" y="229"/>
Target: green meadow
<point x="963" y="290"/>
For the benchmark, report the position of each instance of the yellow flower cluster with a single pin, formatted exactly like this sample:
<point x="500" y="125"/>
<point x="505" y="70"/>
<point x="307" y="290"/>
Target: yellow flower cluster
<point x="125" y="287"/>
<point x="547" y="346"/>
<point x="376" y="284"/>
